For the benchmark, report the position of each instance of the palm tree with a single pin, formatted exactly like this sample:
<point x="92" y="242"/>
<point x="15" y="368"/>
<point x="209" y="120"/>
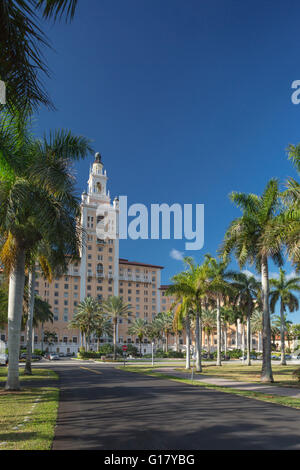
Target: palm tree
<point x="102" y="327"/>
<point x="251" y="238"/>
<point x="153" y="332"/>
<point x="193" y="286"/>
<point x="247" y="288"/>
<point x="50" y="337"/>
<point x="165" y="319"/>
<point x="86" y="317"/>
<point x="228" y="317"/>
<point x="138" y="328"/>
<point x="288" y="228"/>
<point x="37" y="202"/>
<point x="282" y="292"/>
<point x="21" y="43"/>
<point x="209" y="323"/>
<point x="256" y="326"/>
<point x="221" y="289"/>
<point x="116" y="309"/>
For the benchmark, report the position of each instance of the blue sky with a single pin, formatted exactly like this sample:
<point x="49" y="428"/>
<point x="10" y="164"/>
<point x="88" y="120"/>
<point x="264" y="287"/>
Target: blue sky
<point x="186" y="101"/>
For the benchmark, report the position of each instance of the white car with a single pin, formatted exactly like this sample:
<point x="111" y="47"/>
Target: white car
<point x="3" y="359"/>
<point x="54" y="357"/>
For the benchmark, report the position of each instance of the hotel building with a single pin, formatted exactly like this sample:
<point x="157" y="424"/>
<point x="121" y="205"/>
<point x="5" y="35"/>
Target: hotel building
<point x="100" y="273"/>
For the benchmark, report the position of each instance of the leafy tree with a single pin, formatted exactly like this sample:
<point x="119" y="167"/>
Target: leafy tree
<point x="254" y="238"/>
<point x="115" y="308"/>
<point x="165" y="320"/>
<point x="139" y="329"/>
<point x="50" y="337"/>
<point x="209" y="323"/>
<point x="86" y="318"/>
<point x="282" y="292"/>
<point x="103" y="327"/>
<point x="247" y="290"/>
<point x="219" y="286"/>
<point x="37" y="202"/>
<point x="21" y="44"/>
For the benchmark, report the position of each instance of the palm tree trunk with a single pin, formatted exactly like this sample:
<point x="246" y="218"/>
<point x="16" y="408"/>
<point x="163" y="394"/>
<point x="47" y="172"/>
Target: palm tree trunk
<point x="266" y="372"/>
<point x="15" y="307"/>
<point x="198" y="343"/>
<point x="188" y="343"/>
<point x="248" y="335"/>
<point x="42" y="337"/>
<point x="115" y="339"/>
<point x="282" y="334"/>
<point x="219" y="363"/>
<point x="237" y="336"/>
<point x="167" y="341"/>
<point x="140" y="347"/>
<point x="225" y="341"/>
<point x="152" y="352"/>
<point x="208" y="344"/>
<point x="31" y="285"/>
<point x="243" y="339"/>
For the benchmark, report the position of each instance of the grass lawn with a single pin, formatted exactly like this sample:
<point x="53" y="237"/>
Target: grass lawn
<point x="25" y="425"/>
<point x="285" y="401"/>
<point x="37" y="374"/>
<point x="282" y="374"/>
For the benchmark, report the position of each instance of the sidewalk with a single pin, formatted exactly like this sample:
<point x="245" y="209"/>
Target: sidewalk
<point x="219" y="381"/>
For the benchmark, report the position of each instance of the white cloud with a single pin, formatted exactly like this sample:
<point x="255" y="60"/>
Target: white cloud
<point x="249" y="273"/>
<point x="175" y="254"/>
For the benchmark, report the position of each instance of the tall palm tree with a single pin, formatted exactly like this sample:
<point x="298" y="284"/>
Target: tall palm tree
<point x="37" y="202"/>
<point x="116" y="309"/>
<point x="86" y="317"/>
<point x="247" y="290"/>
<point x="21" y="43"/>
<point x="165" y="319"/>
<point x="257" y="326"/>
<point x="228" y="317"/>
<point x="209" y="323"/>
<point x="251" y="238"/>
<point x="139" y="329"/>
<point x="192" y="285"/>
<point x="221" y="289"/>
<point x="282" y="291"/>
<point x="102" y="327"/>
<point x="289" y="226"/>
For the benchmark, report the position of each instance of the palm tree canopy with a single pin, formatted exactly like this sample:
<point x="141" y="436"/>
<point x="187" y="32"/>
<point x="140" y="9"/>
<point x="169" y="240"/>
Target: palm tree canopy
<point x="282" y="291"/>
<point x="253" y="236"/>
<point x="138" y="328"/>
<point x="87" y="315"/>
<point x="115" y="308"/>
<point x="21" y="44"/>
<point x="37" y="190"/>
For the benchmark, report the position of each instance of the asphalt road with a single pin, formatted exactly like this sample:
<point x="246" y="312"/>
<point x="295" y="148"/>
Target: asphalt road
<point x="105" y="408"/>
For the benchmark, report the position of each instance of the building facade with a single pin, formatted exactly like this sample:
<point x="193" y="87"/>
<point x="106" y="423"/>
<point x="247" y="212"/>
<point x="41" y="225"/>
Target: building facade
<point x="99" y="273"/>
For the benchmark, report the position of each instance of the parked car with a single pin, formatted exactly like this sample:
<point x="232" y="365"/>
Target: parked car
<point x="3" y="359"/>
<point x="69" y="354"/>
<point x="252" y="357"/>
<point x="295" y="356"/>
<point x="61" y="354"/>
<point x="288" y="356"/>
<point x="54" y="357"/>
<point x="275" y="358"/>
<point x="36" y="357"/>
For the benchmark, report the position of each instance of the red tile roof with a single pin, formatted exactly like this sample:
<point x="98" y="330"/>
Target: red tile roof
<point x="135" y="263"/>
